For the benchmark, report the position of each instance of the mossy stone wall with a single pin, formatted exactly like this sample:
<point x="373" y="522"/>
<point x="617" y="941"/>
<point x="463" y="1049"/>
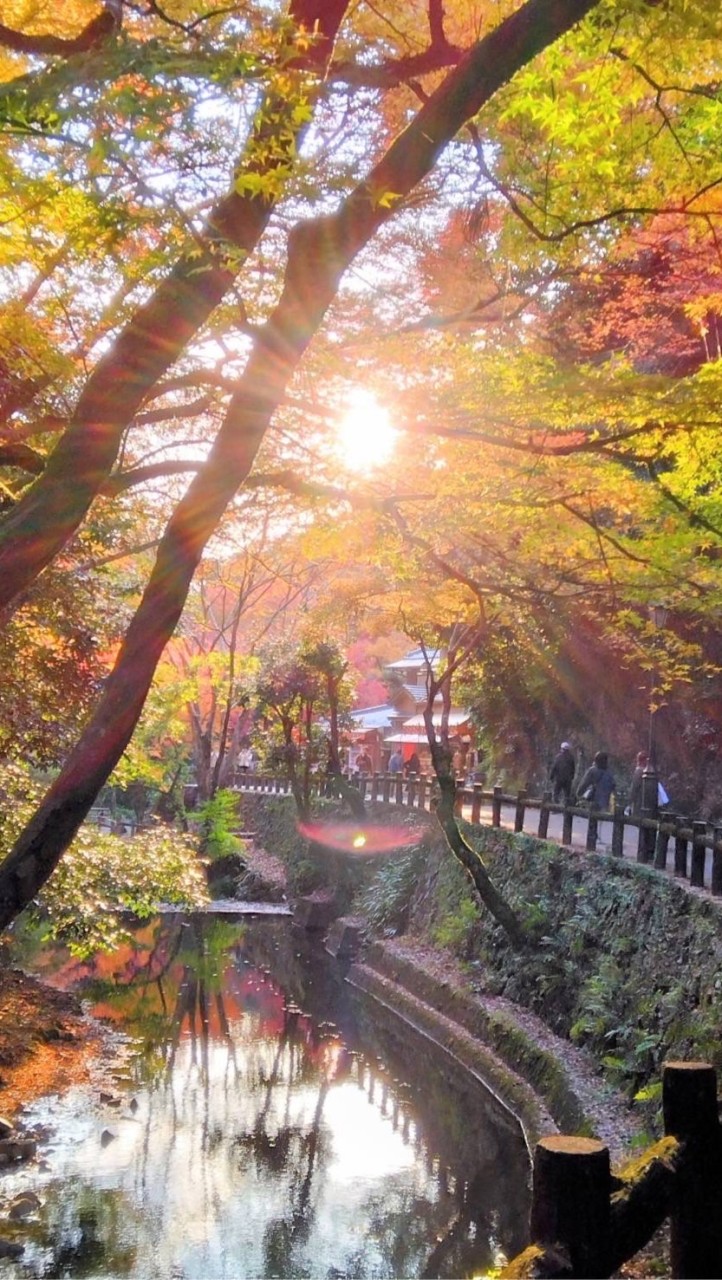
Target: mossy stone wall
<point x="626" y="960"/>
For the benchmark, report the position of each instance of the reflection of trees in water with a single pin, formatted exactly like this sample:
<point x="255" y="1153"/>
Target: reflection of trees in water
<point x="84" y="1234"/>
<point x="471" y="1134"/>
<point x="235" y="1061"/>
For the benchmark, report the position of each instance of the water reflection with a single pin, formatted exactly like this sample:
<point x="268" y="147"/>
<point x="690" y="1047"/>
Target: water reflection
<point x="267" y="1123"/>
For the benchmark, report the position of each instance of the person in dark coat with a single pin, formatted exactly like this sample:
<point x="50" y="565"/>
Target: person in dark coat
<point x="413" y="764"/>
<point x="598" y="783"/>
<point x="562" y="774"/>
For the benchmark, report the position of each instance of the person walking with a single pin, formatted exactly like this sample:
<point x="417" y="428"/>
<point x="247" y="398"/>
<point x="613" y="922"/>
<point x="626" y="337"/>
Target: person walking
<point x="364" y="763"/>
<point x="413" y="764"/>
<point x="396" y="761"/>
<point x="561" y="774"/>
<point x="598" y="783"/>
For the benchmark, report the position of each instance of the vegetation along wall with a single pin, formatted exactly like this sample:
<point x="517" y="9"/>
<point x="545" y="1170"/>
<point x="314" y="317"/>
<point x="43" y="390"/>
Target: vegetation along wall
<point x="624" y="960"/>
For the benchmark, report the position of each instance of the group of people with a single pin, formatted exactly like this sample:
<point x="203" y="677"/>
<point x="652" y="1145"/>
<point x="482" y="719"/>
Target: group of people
<point x="598" y="784"/>
<point x="396" y="763"/>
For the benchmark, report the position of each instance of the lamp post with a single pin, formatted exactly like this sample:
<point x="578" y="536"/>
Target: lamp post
<point x="650" y="794"/>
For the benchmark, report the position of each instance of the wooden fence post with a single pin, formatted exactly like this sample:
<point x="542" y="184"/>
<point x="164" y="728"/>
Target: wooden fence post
<point x="567" y="820"/>
<point x="519" y="811"/>
<point x="717" y="862"/>
<point x="618" y="827"/>
<point x="689" y="1100"/>
<point x="570" y="1201"/>
<point x="647" y="837"/>
<point x="386" y="788"/>
<point x="411" y="790"/>
<point x="399" y="788"/>
<point x="543" y="827"/>
<point x="375" y="786"/>
<point x="660" y="848"/>
<point x="476" y="798"/>
<point x="421" y="799"/>
<point x="680" y="848"/>
<point x="696" y="870"/>
<point x="592" y="832"/>
<point x="496" y="807"/>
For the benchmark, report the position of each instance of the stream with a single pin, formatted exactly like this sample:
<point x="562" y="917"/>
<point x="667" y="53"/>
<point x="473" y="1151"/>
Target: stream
<point x="261" y="1119"/>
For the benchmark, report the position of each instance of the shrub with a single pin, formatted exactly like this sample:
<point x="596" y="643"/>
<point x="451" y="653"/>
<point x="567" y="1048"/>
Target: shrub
<point x="101" y="876"/>
<point x="217" y="817"/>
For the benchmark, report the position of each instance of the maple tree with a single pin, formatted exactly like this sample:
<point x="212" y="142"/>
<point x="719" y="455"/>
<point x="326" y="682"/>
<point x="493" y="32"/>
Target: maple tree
<point x="160" y="103"/>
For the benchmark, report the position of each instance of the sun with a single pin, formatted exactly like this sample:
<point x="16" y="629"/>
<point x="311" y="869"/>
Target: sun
<point x="365" y="438"/>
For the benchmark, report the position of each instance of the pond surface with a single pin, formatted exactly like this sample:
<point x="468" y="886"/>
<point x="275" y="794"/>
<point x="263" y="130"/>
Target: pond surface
<point x="264" y="1121"/>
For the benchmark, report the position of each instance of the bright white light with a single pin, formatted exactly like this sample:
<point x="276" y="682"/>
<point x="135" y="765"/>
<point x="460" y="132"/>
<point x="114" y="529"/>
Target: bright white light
<point x="366" y="438"/>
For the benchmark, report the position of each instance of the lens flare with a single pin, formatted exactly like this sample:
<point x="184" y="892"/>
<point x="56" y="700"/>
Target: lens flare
<point x="353" y="837"/>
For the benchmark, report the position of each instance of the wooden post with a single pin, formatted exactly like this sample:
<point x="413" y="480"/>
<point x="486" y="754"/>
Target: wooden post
<point x="570" y="1201"/>
<point x="717" y="862"/>
<point x="399" y="788"/>
<point x="567" y="820"/>
<point x="519" y="811"/>
<point x="543" y="827"/>
<point x="618" y="827"/>
<point x="375" y="786"/>
<point x="458" y="797"/>
<point x="660" y="847"/>
<point x="476" y="797"/>
<point x="411" y="790"/>
<point x="421" y="800"/>
<point x="496" y="807"/>
<point x="680" y="848"/>
<point x="592" y="832"/>
<point x="696" y="870"/>
<point x="689" y="1101"/>
<point x="647" y="838"/>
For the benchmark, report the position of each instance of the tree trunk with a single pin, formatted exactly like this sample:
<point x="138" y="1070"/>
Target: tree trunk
<point x="471" y="861"/>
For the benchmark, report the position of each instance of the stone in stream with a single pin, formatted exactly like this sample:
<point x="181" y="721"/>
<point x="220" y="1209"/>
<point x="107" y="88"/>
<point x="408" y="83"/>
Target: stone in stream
<point x="24" y="1205"/>
<point x="106" y="1138"/>
<point x="10" y="1248"/>
<point x="345" y="937"/>
<point x="6" y="1127"/>
<point x="17" y="1149"/>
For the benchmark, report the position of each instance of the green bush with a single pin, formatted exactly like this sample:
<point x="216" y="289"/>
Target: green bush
<point x="387" y="899"/>
<point x="217" y="818"/>
<point x="457" y="930"/>
<point x="101" y="875"/>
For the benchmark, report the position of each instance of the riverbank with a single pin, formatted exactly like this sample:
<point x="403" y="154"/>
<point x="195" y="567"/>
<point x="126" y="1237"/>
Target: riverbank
<point x="47" y="1043"/>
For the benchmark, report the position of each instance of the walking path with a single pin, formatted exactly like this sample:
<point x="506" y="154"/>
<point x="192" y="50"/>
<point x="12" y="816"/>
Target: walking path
<point x="691" y="851"/>
<point x="630" y="842"/>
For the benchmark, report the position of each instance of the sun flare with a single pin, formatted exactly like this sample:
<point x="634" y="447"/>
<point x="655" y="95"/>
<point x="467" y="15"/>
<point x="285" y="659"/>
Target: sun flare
<point x="365" y="437"/>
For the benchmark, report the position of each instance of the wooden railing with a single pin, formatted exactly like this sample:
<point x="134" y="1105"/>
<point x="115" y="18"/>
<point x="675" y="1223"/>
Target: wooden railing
<point x="670" y="842"/>
<point x="587" y="1222"/>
